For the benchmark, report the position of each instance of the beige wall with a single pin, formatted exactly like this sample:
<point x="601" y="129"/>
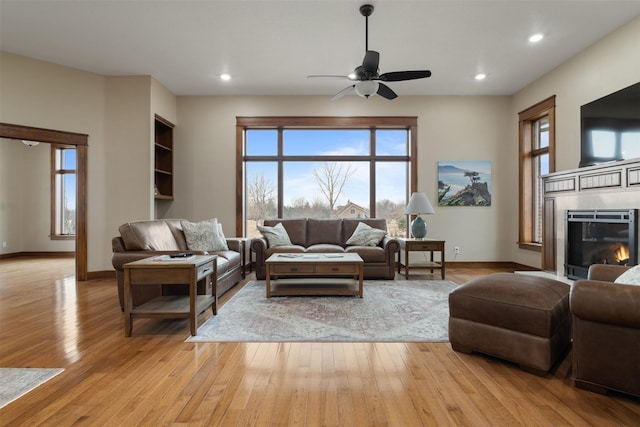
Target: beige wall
<point x="117" y="114"/>
<point x="607" y="66"/>
<point x="449" y="128"/>
<point x="25" y="199"/>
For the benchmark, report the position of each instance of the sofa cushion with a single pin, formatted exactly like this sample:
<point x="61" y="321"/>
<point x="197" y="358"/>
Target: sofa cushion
<point x="149" y="235"/>
<point x="364" y="235"/>
<point x="203" y="236"/>
<point x="276" y="235"/>
<point x="325" y="248"/>
<point x="324" y="231"/>
<point x="283" y="249"/>
<point x="368" y="253"/>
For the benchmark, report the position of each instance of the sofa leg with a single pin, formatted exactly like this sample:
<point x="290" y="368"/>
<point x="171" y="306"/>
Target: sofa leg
<point x="585" y="385"/>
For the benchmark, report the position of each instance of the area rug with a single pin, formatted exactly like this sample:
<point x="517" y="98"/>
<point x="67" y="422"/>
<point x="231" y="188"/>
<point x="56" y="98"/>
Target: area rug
<point x="16" y="382"/>
<point x="391" y="311"/>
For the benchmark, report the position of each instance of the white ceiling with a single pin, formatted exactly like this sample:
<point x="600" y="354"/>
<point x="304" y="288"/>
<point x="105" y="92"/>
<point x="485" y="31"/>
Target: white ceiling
<point x="270" y="46"/>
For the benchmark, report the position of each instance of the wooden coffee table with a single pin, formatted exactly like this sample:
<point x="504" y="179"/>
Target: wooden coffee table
<point x="314" y="274"/>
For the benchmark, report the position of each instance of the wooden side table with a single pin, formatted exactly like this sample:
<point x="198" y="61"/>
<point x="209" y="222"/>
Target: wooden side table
<point x="421" y="245"/>
<point x="170" y="271"/>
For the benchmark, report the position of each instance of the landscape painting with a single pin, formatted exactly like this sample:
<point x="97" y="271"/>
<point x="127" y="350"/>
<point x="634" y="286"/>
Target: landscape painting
<point x="464" y="183"/>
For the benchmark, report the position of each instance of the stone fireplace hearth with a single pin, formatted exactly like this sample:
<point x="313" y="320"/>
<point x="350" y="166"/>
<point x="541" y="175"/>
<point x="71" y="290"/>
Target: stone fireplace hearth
<point x="613" y="186"/>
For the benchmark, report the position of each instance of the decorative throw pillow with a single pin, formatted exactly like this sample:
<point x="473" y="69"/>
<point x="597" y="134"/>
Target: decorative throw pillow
<point x="365" y="235"/>
<point x="629" y="277"/>
<point x="204" y="236"/>
<point x="276" y="235"/>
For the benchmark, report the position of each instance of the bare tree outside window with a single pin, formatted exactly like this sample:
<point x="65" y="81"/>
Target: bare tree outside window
<point x="261" y="201"/>
<point x="331" y="179"/>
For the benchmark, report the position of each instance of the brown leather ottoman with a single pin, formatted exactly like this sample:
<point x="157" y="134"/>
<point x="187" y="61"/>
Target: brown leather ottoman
<point x="521" y="318"/>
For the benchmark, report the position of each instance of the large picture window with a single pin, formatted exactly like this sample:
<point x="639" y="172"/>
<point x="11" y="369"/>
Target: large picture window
<point x="325" y="167"/>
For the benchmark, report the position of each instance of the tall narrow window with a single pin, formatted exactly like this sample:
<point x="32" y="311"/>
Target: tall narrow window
<point x="537" y="158"/>
<point x="63" y="192"/>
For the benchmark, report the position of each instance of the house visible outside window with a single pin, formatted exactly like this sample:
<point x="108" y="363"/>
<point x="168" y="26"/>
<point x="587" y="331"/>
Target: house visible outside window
<point x="63" y="192"/>
<point x="323" y="167"/>
<point x="537" y="158"/>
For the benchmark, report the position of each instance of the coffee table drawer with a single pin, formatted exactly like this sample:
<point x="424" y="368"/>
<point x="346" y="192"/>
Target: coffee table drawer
<point x="337" y="269"/>
<point x="283" y="269"/>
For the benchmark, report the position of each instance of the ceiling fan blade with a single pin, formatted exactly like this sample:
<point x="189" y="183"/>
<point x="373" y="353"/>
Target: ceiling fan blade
<point x="370" y="62"/>
<point x="386" y="92"/>
<point x="326" y="76"/>
<point x="346" y="91"/>
<point x="397" y="76"/>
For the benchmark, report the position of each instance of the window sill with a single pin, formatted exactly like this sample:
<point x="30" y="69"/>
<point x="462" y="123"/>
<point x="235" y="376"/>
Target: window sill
<point x="530" y="246"/>
<point x="60" y="237"/>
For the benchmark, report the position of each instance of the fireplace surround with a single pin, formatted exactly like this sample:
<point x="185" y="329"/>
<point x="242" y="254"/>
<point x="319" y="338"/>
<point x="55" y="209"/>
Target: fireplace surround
<point x="599" y="236"/>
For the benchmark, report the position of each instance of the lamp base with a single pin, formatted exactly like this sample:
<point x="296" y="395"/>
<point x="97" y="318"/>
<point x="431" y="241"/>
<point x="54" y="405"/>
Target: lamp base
<point x="418" y="228"/>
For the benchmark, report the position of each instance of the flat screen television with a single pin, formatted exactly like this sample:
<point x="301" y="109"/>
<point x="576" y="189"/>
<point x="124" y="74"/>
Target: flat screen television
<point x="610" y="127"/>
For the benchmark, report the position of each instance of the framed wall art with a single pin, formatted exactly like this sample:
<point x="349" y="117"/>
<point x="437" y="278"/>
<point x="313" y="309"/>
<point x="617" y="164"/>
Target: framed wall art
<point x="464" y="183"/>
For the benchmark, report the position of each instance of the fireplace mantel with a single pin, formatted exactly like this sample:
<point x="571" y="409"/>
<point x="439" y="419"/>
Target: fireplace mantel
<point x="614" y="185"/>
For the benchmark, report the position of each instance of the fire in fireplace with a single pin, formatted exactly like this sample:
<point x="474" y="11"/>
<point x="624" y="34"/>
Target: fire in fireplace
<point x="599" y="237"/>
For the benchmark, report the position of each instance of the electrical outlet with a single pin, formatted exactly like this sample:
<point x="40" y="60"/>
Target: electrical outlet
<point x="456" y="250"/>
<point x="4" y="244"/>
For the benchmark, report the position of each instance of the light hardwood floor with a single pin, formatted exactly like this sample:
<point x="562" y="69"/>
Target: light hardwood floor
<point x="47" y="319"/>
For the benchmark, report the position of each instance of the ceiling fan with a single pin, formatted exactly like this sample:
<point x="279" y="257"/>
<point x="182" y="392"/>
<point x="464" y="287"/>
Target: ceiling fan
<point x="367" y="77"/>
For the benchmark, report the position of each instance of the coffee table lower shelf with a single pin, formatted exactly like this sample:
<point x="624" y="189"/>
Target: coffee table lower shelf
<point x="315" y="287"/>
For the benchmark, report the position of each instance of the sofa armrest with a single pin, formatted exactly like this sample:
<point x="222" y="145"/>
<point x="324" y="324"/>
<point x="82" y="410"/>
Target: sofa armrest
<point x="234" y="244"/>
<point x="606" y="302"/>
<point x="117" y="244"/>
<point x="391" y="244"/>
<point x="606" y="272"/>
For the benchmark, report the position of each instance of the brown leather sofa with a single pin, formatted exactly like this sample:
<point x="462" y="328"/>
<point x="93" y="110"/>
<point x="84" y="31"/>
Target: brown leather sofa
<point x="143" y="239"/>
<point x="606" y="332"/>
<point x="330" y="236"/>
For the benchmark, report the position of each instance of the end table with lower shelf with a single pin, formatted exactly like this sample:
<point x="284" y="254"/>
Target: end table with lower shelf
<point x="170" y="271"/>
<point x="409" y="245"/>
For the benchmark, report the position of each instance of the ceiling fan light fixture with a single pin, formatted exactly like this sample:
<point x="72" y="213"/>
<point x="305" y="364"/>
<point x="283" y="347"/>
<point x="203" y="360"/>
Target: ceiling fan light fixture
<point x="30" y="143"/>
<point x="366" y="88"/>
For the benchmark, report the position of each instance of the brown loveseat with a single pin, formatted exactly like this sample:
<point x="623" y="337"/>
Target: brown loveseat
<point x="606" y="332"/>
<point x="330" y="235"/>
<point x="143" y="239"/>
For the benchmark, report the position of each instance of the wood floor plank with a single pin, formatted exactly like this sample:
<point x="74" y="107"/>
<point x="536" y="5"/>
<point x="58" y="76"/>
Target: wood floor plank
<point x="47" y="319"/>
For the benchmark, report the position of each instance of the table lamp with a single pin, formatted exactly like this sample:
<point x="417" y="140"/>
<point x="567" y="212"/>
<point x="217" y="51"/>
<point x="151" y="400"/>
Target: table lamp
<point x="419" y="204"/>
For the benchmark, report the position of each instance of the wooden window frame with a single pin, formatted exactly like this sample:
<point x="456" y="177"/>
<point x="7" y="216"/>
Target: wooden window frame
<point x="54" y="196"/>
<point x="527" y="155"/>
<point x="374" y="122"/>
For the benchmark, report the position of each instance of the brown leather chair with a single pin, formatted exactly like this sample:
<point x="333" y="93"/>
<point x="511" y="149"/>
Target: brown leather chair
<point x="606" y="332"/>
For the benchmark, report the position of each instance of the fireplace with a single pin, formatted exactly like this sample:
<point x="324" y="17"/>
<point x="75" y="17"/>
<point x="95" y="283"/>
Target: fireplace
<point x="599" y="236"/>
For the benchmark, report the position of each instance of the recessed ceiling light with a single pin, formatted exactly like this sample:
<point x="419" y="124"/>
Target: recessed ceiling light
<point x="481" y="76"/>
<point x="536" y="38"/>
<point x="225" y="77"/>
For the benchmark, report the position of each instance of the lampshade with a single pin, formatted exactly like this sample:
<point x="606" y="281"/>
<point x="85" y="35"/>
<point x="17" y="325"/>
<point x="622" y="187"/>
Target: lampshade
<point x="366" y="88"/>
<point x="419" y="204"/>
